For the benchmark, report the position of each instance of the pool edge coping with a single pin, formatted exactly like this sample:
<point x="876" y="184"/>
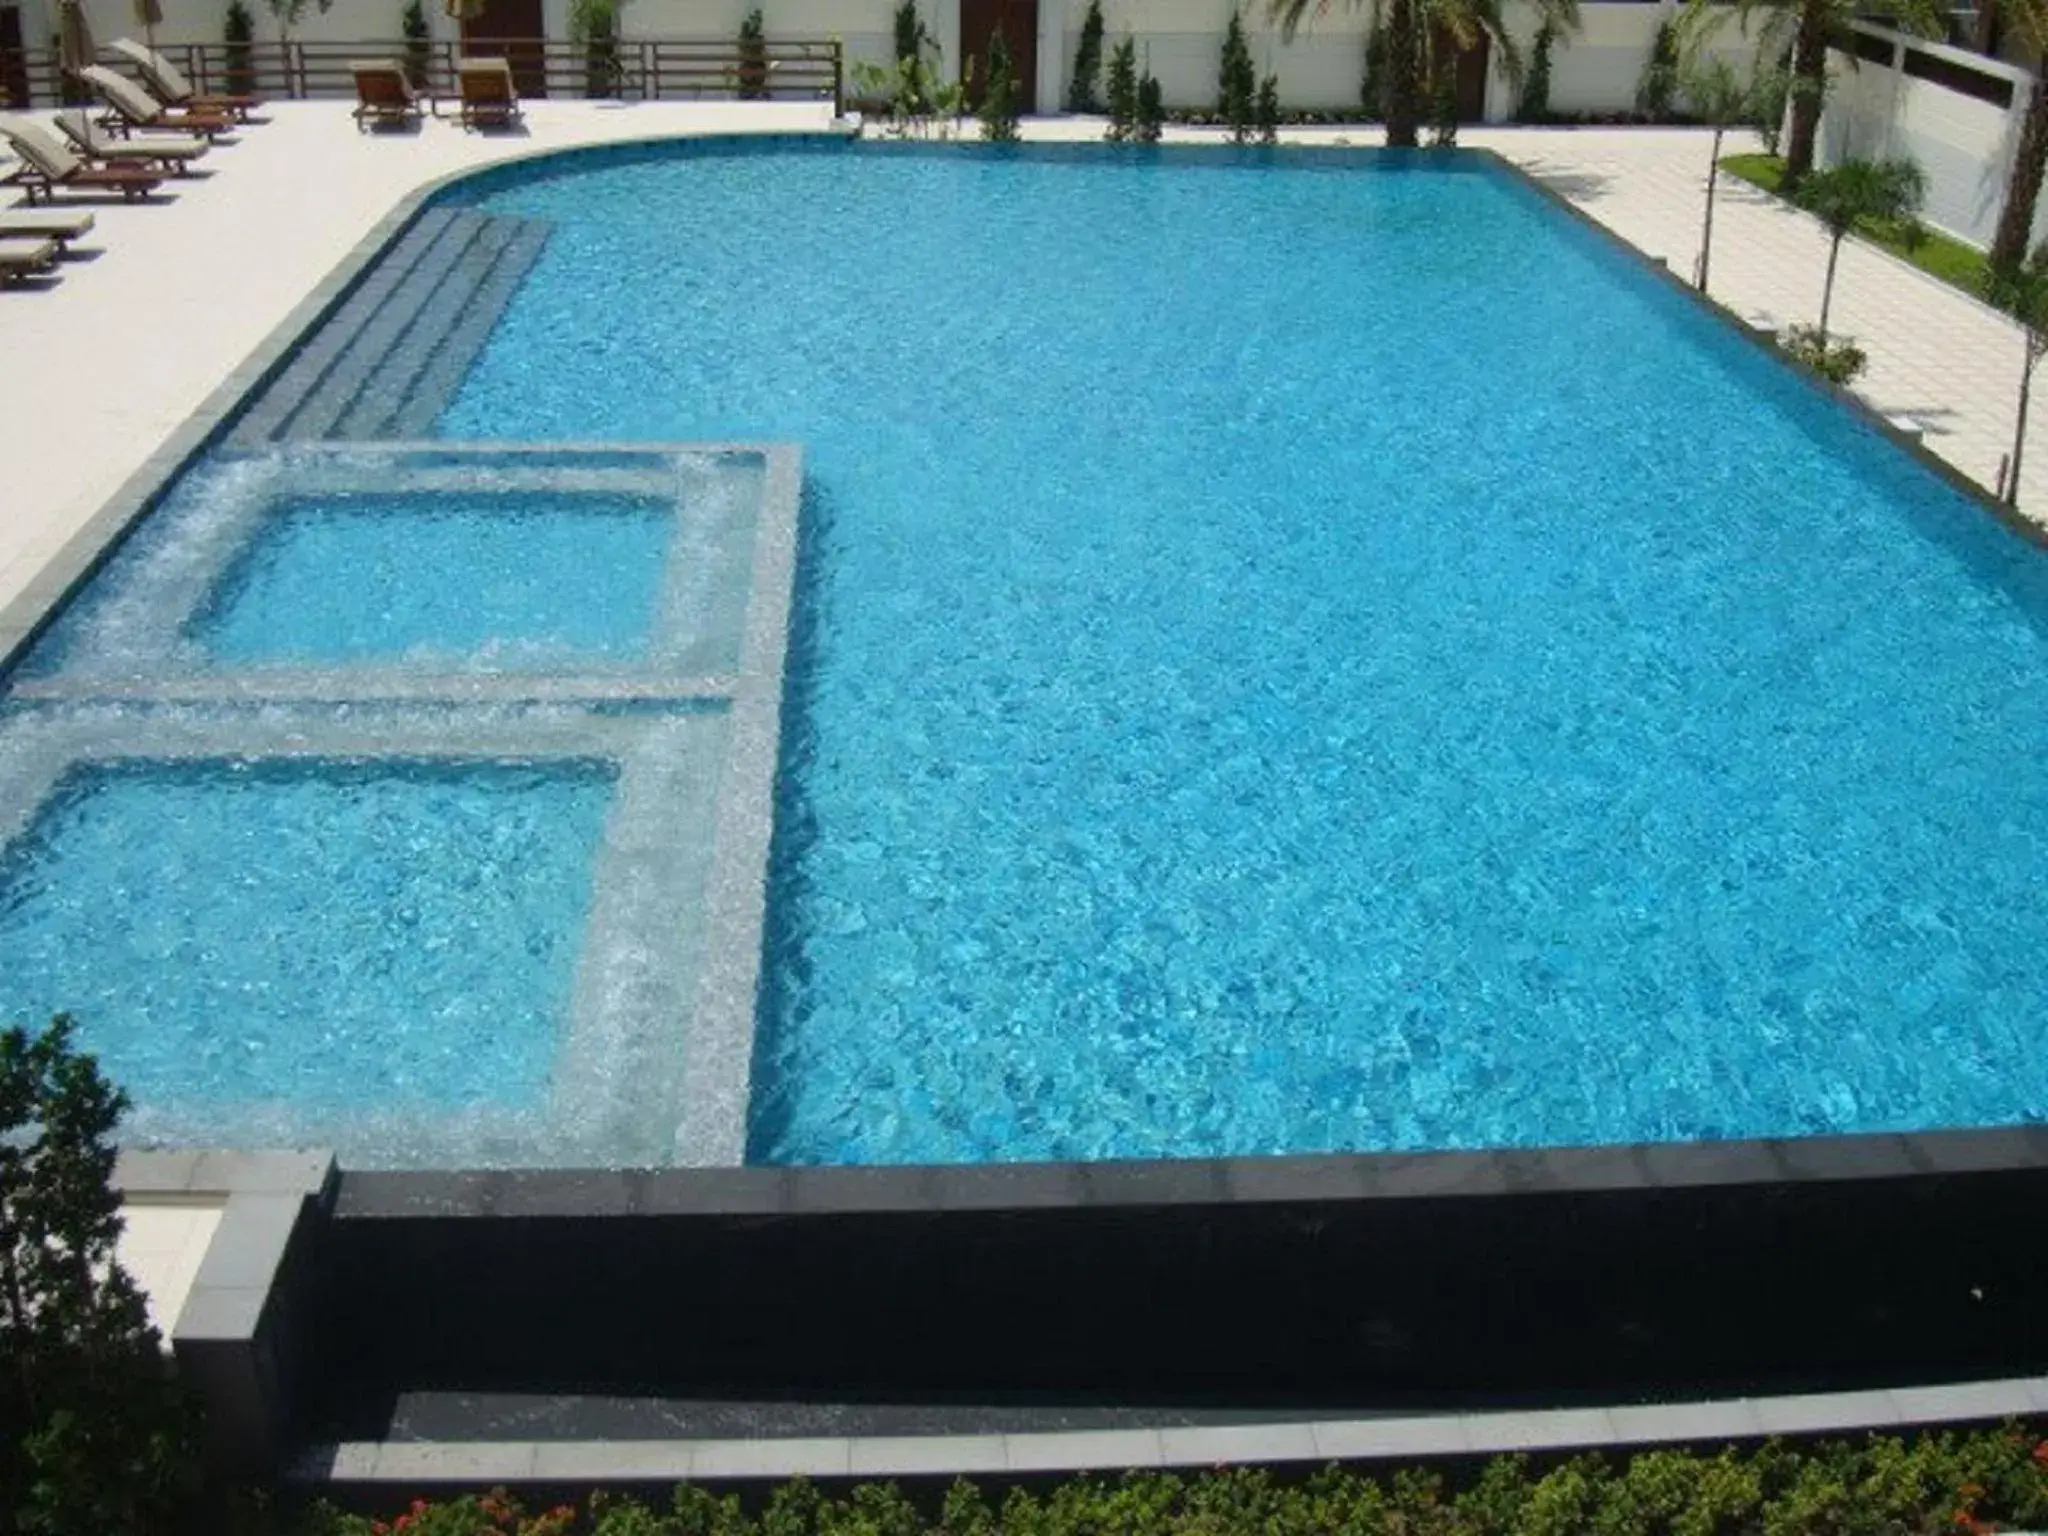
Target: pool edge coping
<point x="1312" y="1441"/>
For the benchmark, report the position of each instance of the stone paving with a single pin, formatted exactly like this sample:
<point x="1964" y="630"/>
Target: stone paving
<point x="102" y="367"/>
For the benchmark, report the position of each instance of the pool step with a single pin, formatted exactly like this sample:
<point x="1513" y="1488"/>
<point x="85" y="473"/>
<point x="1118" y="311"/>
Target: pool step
<point x="394" y="353"/>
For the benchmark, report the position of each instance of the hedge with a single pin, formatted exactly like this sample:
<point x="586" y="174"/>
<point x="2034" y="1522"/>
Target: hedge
<point x="1970" y="1484"/>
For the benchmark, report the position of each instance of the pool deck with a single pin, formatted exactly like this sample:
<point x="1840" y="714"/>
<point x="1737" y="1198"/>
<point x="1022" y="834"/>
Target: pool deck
<point x="164" y="301"/>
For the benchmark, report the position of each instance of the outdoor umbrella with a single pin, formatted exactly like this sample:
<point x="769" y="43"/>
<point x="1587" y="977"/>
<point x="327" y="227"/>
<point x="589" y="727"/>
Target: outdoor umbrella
<point x="148" y="13"/>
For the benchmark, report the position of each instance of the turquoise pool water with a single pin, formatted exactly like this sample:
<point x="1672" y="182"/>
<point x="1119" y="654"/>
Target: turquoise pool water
<point x="529" y="579"/>
<point x="1293" y="653"/>
<point x="1317" y="654"/>
<point x="296" y="946"/>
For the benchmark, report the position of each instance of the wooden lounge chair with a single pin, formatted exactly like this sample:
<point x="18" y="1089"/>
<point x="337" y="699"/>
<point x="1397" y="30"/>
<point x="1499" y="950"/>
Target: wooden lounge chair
<point x="171" y="85"/>
<point x="46" y="165"/>
<point x="489" y="98"/>
<point x="130" y="107"/>
<point x="174" y="156"/>
<point x="383" y="94"/>
<point x="62" y="225"/>
<point x="24" y="256"/>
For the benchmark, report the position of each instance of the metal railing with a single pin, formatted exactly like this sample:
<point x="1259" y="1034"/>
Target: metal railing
<point x="781" y="69"/>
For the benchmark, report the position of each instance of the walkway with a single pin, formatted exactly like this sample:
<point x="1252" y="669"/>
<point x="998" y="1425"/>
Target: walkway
<point x="103" y="366"/>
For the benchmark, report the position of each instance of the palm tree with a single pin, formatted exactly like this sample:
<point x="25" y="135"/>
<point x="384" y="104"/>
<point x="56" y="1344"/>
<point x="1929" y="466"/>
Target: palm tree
<point x="1845" y="195"/>
<point x="2022" y="292"/>
<point x="1422" y="38"/>
<point x="1808" y="25"/>
<point x="1717" y="95"/>
<point x="2029" y="19"/>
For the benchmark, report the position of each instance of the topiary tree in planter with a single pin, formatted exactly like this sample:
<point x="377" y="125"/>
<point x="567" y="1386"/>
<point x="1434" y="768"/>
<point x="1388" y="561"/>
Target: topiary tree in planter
<point x="753" y="70"/>
<point x="412" y="23"/>
<point x="1123" y="92"/>
<point x="595" y="25"/>
<point x="999" y="100"/>
<point x="1087" y="62"/>
<point x="95" y="1436"/>
<point x="239" y="33"/>
<point x="1237" y="83"/>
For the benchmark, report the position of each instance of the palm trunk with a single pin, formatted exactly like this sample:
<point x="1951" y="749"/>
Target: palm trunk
<point x="1809" y="85"/>
<point x="1707" y="229"/>
<point x="1987" y="27"/>
<point x="2023" y="185"/>
<point x="2019" y="432"/>
<point x="1827" y="292"/>
<point x="1402" y="86"/>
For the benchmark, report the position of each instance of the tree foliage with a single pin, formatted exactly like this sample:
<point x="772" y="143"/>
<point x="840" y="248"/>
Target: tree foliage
<point x="94" y="1435"/>
<point x="999" y="99"/>
<point x="1420" y="40"/>
<point x="1237" y="82"/>
<point x="1081" y="95"/>
<point x="1123" y="91"/>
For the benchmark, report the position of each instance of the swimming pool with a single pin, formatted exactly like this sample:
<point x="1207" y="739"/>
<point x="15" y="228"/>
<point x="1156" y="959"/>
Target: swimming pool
<point x="1302" y="653"/>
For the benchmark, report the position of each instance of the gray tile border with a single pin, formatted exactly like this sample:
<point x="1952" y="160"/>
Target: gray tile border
<point x="249" y="1245"/>
<point x="220" y="1314"/>
<point x="1672" y="1423"/>
<point x="1226" y="1444"/>
<point x="1969" y="1400"/>
<point x="1379" y="1439"/>
<point x="820" y="1457"/>
<point x="577" y="1461"/>
<point x="1102" y="1449"/>
<point x="929" y="1455"/>
<point x="1415" y="1437"/>
<point x="1819" y="1411"/>
<point x="484" y="1461"/>
<point x="1552" y="1429"/>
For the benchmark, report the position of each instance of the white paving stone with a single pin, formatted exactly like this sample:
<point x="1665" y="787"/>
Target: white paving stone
<point x="97" y="371"/>
<point x="162" y="1243"/>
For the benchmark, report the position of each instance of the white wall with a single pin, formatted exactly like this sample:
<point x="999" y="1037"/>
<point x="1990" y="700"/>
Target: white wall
<point x="1180" y="41"/>
<point x="1964" y="145"/>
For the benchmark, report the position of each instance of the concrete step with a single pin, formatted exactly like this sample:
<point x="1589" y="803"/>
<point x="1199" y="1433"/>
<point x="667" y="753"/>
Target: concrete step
<point x="444" y="372"/>
<point x="364" y="353"/>
<point x="266" y="417"/>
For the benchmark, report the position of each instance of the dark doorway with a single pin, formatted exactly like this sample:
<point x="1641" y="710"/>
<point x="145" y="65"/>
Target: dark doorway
<point x="13" y="64"/>
<point x="1472" y="81"/>
<point x="1018" y="20"/>
<point x="512" y="30"/>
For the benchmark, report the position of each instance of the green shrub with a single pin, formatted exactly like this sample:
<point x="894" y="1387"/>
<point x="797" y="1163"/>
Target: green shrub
<point x="239" y="33"/>
<point x="1151" y="110"/>
<point x="753" y="50"/>
<point x="1372" y="86"/>
<point x="1237" y="82"/>
<point x="95" y="1436"/>
<point x="1657" y="87"/>
<point x="1534" y="106"/>
<point x="1087" y="62"/>
<point x="999" y="100"/>
<point x="1123" y="92"/>
<point x="1835" y="358"/>
<point x="1966" y="1484"/>
<point x="412" y="25"/>
<point x="595" y="25"/>
<point x="1267" y="113"/>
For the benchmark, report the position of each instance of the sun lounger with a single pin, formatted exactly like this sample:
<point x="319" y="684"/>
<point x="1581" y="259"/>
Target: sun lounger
<point x="489" y="98"/>
<point x="171" y="85"/>
<point x="95" y="143"/>
<point x="383" y="94"/>
<point x="131" y="107"/>
<point x="24" y="256"/>
<point x="46" y="165"/>
<point x="62" y="225"/>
